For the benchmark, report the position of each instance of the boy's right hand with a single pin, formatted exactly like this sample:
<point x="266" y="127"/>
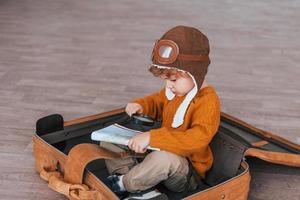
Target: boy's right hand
<point x="133" y="108"/>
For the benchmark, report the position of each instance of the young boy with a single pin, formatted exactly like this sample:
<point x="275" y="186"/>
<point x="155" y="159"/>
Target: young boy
<point x="190" y="112"/>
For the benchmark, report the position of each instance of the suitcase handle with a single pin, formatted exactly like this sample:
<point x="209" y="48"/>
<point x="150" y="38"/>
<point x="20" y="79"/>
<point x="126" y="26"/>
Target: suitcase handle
<point x="70" y="183"/>
<point x="72" y="191"/>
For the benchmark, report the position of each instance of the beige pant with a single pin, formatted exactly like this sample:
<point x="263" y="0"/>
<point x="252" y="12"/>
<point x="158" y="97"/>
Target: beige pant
<point x="157" y="166"/>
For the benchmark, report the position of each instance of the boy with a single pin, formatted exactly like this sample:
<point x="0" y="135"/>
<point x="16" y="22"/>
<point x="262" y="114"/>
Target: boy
<point x="190" y="113"/>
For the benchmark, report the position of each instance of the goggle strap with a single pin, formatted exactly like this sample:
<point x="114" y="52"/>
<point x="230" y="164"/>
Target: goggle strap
<point x="193" y="57"/>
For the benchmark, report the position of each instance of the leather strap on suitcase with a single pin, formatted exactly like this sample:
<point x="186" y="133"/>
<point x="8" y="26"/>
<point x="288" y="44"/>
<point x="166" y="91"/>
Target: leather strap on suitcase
<point x="288" y="159"/>
<point x="71" y="183"/>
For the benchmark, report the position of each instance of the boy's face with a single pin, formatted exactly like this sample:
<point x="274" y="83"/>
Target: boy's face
<point x="180" y="85"/>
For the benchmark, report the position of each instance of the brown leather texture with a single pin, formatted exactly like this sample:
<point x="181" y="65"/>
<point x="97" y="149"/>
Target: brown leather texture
<point x="52" y="164"/>
<point x="260" y="143"/>
<point x="94" y="117"/>
<point x="288" y="159"/>
<point x="80" y="156"/>
<point x="236" y="188"/>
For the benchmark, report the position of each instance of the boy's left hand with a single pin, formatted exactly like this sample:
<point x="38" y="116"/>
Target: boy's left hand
<point x="140" y="142"/>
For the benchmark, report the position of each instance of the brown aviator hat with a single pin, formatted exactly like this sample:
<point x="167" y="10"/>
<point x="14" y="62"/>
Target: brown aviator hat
<point x="185" y="49"/>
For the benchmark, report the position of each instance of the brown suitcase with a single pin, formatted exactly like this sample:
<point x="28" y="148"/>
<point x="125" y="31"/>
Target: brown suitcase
<point x="73" y="164"/>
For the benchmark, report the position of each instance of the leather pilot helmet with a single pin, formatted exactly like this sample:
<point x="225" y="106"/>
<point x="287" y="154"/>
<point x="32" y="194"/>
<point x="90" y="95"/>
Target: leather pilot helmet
<point x="183" y="48"/>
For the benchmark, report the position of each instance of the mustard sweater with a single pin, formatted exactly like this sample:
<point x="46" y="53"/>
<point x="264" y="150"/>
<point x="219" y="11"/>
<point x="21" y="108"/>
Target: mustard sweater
<point x="192" y="138"/>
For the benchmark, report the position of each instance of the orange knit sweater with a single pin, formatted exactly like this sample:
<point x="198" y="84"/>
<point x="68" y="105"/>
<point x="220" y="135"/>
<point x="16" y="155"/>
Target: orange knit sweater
<point x="192" y="138"/>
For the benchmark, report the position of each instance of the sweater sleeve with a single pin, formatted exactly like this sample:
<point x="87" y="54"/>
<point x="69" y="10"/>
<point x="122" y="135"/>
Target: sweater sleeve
<point x="153" y="104"/>
<point x="205" y="121"/>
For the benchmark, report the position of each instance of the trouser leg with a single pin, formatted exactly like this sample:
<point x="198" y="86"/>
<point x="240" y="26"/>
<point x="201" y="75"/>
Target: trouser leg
<point x="179" y="184"/>
<point x="122" y="165"/>
<point x="156" y="167"/>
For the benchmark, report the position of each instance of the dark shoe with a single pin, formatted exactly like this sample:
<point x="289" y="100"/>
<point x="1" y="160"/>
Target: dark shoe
<point x="114" y="186"/>
<point x="150" y="194"/>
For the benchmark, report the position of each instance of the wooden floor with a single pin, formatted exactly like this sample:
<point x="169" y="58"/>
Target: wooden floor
<point x="79" y="58"/>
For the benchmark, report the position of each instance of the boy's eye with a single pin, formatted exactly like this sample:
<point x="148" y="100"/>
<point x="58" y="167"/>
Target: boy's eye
<point x="173" y="80"/>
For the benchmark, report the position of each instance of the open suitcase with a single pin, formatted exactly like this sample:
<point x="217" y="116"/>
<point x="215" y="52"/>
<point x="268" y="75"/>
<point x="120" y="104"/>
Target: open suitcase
<point x="73" y="164"/>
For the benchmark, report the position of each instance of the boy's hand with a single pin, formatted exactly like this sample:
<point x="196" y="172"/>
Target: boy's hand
<point x="133" y="108"/>
<point x="140" y="142"/>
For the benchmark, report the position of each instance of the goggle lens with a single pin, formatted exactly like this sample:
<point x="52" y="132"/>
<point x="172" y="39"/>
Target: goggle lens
<point x="165" y="51"/>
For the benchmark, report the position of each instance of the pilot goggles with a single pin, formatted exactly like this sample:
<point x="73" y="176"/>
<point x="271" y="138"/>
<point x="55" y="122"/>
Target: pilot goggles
<point x="167" y="52"/>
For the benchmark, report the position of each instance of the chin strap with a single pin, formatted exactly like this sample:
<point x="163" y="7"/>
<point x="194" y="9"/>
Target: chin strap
<point x="169" y="94"/>
<point x="178" y="119"/>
